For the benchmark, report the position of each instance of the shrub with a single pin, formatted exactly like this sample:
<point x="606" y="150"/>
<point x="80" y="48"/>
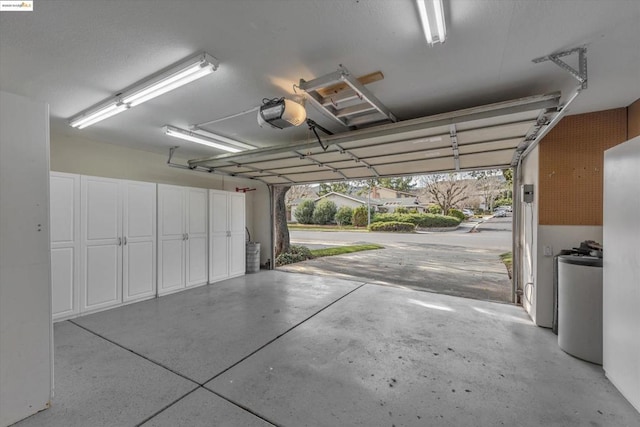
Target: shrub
<point x="401" y="210"/>
<point x="296" y="254"/>
<point x="304" y="212"/>
<point x="394" y="226"/>
<point x="456" y="213"/>
<point x="344" y="216"/>
<point x="434" y="209"/>
<point x="324" y="212"/>
<point x="420" y="220"/>
<point x="505" y="201"/>
<point x="360" y="216"/>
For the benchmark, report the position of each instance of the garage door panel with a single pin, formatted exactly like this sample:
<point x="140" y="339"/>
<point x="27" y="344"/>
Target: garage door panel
<point x="489" y="146"/>
<point x="358" y="173"/>
<point x="479" y="160"/>
<point x="426" y="135"/>
<point x="402" y="158"/>
<point x="491" y="133"/>
<point x="523" y="116"/>
<point x="401" y="147"/>
<point x="318" y="176"/>
<point x="329" y="156"/>
<point x="417" y="167"/>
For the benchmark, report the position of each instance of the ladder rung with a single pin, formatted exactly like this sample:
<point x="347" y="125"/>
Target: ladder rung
<point x="369" y="118"/>
<point x="356" y="109"/>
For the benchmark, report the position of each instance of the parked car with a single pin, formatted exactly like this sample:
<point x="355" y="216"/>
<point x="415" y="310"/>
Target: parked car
<point x="468" y="213"/>
<point x="500" y="213"/>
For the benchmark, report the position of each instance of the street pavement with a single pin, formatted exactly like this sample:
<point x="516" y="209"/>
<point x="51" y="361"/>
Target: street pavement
<point x="459" y="262"/>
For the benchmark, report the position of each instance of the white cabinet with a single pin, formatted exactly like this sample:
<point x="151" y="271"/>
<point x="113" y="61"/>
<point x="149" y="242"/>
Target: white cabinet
<point x="182" y="234"/>
<point x="65" y="244"/>
<point x="118" y="242"/>
<point x="139" y="240"/>
<point x="226" y="235"/>
<point x="26" y="335"/>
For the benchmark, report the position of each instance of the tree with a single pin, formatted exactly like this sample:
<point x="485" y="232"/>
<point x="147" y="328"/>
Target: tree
<point x="304" y="191"/>
<point x="336" y="187"/>
<point x="508" y="176"/>
<point x="405" y="184"/>
<point x="447" y="190"/>
<point x="304" y="212"/>
<point x="282" y="237"/>
<point x="360" y="216"/>
<point x="324" y="212"/>
<point x="489" y="184"/>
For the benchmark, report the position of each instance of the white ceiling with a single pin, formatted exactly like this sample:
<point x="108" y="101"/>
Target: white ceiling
<point x="74" y="54"/>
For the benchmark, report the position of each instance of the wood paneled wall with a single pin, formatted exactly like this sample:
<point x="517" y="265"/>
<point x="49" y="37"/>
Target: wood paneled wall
<point x="633" y="120"/>
<point x="571" y="166"/>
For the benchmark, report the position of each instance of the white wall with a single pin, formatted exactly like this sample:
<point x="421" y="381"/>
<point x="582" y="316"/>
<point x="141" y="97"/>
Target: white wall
<point x="621" y="274"/>
<point x="26" y="334"/>
<point x="537" y="269"/>
<point x="75" y="154"/>
<point x="529" y="236"/>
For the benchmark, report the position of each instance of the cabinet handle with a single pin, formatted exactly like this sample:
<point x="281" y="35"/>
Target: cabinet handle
<point x="119" y="241"/>
<point x="186" y="236"/>
<point x="125" y="240"/>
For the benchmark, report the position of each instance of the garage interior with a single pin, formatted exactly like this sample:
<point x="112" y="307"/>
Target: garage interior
<point x="123" y="294"/>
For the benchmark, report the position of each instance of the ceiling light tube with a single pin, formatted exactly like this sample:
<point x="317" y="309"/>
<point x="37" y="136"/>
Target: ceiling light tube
<point x="166" y="80"/>
<point x="224" y="139"/>
<point x="100" y="114"/>
<point x="198" y="139"/>
<point x="432" y="18"/>
<point x="180" y="75"/>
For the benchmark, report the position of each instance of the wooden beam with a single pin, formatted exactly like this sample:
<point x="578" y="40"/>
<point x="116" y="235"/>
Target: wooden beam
<point x="341" y="87"/>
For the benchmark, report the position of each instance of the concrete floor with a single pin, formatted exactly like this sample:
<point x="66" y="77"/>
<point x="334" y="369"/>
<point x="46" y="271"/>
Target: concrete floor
<point x="286" y="349"/>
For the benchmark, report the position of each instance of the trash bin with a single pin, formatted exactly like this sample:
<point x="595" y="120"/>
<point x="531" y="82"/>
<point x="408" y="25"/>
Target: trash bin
<point x="580" y="306"/>
<point x="253" y="257"/>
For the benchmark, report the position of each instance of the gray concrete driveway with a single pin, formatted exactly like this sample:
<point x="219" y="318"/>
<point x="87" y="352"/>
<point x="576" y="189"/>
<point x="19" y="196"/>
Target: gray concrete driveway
<point x="456" y="263"/>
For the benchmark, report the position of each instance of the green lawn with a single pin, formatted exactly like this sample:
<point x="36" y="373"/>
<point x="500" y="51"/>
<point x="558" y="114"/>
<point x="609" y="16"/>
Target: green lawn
<point x="339" y="250"/>
<point x="314" y="227"/>
<point x="507" y="259"/>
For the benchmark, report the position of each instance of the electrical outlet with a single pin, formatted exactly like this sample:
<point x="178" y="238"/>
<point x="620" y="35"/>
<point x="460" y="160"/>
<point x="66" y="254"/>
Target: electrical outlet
<point x="548" y="251"/>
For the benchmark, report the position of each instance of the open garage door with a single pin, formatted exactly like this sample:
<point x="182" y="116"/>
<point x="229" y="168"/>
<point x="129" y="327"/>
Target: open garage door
<point x="487" y="137"/>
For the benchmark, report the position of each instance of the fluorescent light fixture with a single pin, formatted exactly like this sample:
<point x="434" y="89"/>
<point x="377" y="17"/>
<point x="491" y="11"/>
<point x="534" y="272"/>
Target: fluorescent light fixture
<point x="222" y="138"/>
<point x="101" y="113"/>
<point x="177" y="76"/>
<point x="198" y="139"/>
<point x="166" y="80"/>
<point x="432" y="18"/>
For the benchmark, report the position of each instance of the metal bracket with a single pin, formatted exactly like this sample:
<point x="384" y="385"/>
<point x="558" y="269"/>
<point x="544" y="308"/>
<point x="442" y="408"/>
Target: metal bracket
<point x="581" y="74"/>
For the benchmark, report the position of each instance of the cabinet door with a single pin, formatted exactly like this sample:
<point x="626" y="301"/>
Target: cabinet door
<point x="171" y="237"/>
<point x="218" y="236"/>
<point x="65" y="243"/>
<point x="101" y="243"/>
<point x="237" y="239"/>
<point x="139" y="240"/>
<point x="196" y="231"/>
